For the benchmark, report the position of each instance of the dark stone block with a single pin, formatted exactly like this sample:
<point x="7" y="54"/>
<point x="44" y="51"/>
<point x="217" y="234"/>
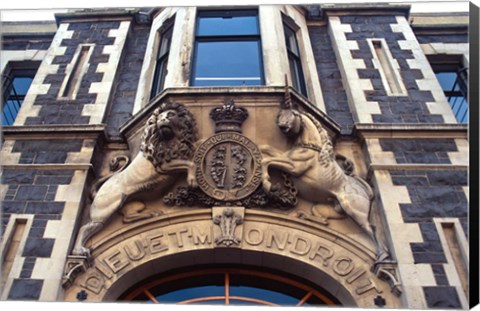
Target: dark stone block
<point x="410" y="109"/>
<point x="27" y="268"/>
<point x="410" y="119"/>
<point x="362" y="54"/>
<point x="387" y="118"/>
<point x="378" y="19"/>
<point x="442" y="195"/>
<point x="107" y="25"/>
<point x="442" y="297"/>
<point x="438" y="269"/>
<point x="433" y="246"/>
<point x="432" y="257"/>
<point x="26" y="273"/>
<point x="422" y="157"/>
<point x="456" y="38"/>
<point x="441" y="280"/>
<point x="53" y="180"/>
<point x="25" y="289"/>
<point x="31" y="193"/>
<point x="36" y="232"/>
<point x="50" y="157"/>
<point x="38" y="247"/>
<point x="433" y="145"/>
<point x="368" y="74"/>
<point x="50" y="145"/>
<point x="434" y="208"/>
<point x="409" y="181"/>
<point x="429" y="232"/>
<point x="423" y="96"/>
<point x="448" y="178"/>
<point x="39" y="208"/>
<point x="11" y="207"/>
<point x="80" y="26"/>
<point x="10" y="176"/>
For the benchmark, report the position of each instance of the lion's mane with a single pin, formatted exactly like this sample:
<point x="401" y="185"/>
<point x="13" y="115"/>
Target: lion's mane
<point x="159" y="151"/>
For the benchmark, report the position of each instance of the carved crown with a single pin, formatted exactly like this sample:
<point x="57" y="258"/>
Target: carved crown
<point x="228" y="118"/>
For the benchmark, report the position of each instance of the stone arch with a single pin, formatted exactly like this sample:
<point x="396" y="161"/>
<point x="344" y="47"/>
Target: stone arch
<point x="322" y="256"/>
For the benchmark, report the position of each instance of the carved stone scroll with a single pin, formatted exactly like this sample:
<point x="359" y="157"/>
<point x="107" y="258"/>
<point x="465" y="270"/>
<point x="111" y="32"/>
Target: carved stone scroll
<point x="387" y="271"/>
<point x="74" y="266"/>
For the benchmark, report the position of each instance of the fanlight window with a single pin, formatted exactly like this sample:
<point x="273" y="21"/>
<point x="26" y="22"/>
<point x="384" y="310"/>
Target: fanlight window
<point x="229" y="287"/>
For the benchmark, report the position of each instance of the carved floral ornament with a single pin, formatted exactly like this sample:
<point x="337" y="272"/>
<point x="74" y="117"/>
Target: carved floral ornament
<point x="227" y="171"/>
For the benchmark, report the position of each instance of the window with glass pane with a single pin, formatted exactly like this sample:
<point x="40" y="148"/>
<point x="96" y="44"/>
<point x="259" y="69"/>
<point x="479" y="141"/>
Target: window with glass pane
<point x="162" y="61"/>
<point x="454" y="82"/>
<point x="227" y="49"/>
<point x="15" y="87"/>
<point x="229" y="287"/>
<point x="294" y="60"/>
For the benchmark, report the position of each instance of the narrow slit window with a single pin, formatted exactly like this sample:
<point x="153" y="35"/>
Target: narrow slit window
<point x="78" y="68"/>
<point x="162" y="60"/>
<point x="294" y="60"/>
<point x="11" y="248"/>
<point x="390" y="75"/>
<point x="457" y="256"/>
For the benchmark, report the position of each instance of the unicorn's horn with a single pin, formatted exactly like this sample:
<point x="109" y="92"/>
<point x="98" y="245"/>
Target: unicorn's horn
<point x="287" y="103"/>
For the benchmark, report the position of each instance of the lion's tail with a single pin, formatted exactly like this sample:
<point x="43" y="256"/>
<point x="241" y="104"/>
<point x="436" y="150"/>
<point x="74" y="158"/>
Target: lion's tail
<point x="117" y="164"/>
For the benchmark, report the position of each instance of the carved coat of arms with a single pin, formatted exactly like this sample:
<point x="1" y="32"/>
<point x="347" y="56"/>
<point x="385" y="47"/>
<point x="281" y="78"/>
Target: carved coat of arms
<point x="228" y="164"/>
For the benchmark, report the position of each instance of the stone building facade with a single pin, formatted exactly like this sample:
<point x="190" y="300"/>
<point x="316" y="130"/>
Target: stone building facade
<point x="163" y="149"/>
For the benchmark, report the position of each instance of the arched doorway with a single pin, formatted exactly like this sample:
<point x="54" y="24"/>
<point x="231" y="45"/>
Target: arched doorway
<point x="317" y="258"/>
<point x="229" y="286"/>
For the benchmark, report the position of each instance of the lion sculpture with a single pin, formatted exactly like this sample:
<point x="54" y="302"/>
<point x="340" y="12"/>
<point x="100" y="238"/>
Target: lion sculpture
<point x="316" y="174"/>
<point x="166" y="149"/>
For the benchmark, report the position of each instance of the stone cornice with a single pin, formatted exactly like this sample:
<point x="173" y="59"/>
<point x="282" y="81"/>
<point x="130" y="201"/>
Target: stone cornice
<point x="22" y="132"/>
<point x="319" y="12"/>
<point x="411" y="130"/>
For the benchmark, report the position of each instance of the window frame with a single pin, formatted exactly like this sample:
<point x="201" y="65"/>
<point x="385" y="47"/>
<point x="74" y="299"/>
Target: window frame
<point x="227" y="38"/>
<point x="161" y="61"/>
<point x="15" y="69"/>
<point x="453" y="64"/>
<point x="159" y="285"/>
<point x="298" y="76"/>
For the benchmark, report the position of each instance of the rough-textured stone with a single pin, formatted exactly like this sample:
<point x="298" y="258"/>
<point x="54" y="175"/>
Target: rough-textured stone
<point x="419" y="150"/>
<point x="25" y="289"/>
<point x="442" y="297"/>
<point x="443" y="38"/>
<point x="412" y="107"/>
<point x="53" y="111"/>
<point x="38" y="247"/>
<point x="127" y="82"/>
<point x="45" y="151"/>
<point x="333" y="90"/>
<point x="433" y="193"/>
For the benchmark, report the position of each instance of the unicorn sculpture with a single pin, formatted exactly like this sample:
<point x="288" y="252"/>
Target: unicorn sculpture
<point x="316" y="173"/>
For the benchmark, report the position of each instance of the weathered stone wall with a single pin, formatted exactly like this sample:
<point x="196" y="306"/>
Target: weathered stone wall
<point x="442" y="38"/>
<point x="32" y="192"/>
<point x="53" y="111"/>
<point x="48" y="153"/>
<point x="333" y="90"/>
<point x="421" y="178"/>
<point x="423" y="102"/>
<point x="126" y="84"/>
